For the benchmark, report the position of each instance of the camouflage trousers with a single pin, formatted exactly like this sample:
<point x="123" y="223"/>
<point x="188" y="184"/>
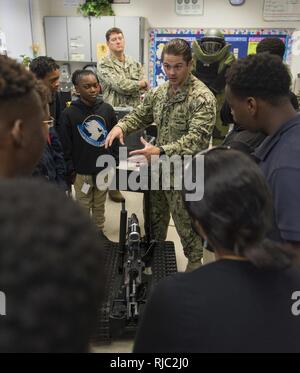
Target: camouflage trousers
<point x="91" y="199"/>
<point x="164" y="203"/>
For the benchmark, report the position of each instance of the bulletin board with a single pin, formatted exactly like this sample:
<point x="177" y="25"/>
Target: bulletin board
<point x="243" y="42"/>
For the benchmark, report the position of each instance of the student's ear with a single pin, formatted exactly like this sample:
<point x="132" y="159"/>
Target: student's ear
<point x="17" y="133"/>
<point x="76" y="89"/>
<point x="252" y="106"/>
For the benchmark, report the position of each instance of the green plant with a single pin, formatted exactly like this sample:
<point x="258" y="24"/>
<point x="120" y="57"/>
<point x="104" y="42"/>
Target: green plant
<point x="96" y="8"/>
<point x="25" y="60"/>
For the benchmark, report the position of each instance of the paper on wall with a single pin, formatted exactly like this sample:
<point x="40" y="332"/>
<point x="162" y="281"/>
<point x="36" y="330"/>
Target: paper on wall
<point x="102" y="51"/>
<point x="282" y="10"/>
<point x="77" y="57"/>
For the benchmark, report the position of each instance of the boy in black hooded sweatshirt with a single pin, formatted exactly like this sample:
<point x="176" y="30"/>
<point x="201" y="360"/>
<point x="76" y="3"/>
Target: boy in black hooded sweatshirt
<point x="84" y="128"/>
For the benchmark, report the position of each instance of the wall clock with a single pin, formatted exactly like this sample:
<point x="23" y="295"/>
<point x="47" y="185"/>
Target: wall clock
<point x="237" y="2"/>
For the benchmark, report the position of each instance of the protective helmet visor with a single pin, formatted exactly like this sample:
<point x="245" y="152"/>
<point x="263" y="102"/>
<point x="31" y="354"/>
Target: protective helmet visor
<point x="211" y="46"/>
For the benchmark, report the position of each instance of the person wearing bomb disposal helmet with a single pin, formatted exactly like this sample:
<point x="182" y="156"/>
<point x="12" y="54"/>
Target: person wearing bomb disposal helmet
<point x="212" y="57"/>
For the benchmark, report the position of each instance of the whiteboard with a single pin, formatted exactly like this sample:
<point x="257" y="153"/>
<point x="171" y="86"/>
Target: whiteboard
<point x="282" y="10"/>
<point x="15" y="22"/>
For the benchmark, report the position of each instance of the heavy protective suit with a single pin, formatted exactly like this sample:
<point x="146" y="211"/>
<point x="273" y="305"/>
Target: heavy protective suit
<point x="212" y="57"/>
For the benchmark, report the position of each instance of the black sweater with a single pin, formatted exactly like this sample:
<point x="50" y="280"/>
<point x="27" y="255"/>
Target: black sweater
<point x="83" y="133"/>
<point x="226" y="306"/>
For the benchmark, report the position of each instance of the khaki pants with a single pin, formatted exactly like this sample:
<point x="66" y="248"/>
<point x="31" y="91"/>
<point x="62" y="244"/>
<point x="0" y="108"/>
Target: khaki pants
<point x="93" y="201"/>
<point x="208" y="257"/>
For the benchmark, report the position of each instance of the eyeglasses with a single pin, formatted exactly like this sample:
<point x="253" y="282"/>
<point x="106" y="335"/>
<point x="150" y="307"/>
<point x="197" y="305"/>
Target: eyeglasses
<point x="49" y="122"/>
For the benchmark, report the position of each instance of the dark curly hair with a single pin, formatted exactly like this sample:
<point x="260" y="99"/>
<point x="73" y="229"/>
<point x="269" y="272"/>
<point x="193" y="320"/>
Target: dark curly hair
<point x="261" y="75"/>
<point x="236" y="210"/>
<point x="15" y="81"/>
<point x="271" y="45"/>
<point x="51" y="270"/>
<point x="41" y="66"/>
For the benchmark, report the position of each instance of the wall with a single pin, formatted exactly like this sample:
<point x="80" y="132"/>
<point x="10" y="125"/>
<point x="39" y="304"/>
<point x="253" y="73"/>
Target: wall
<point x="161" y="13"/>
<point x="39" y="8"/>
<point x="19" y="39"/>
<point x="28" y="15"/>
<point x="217" y="13"/>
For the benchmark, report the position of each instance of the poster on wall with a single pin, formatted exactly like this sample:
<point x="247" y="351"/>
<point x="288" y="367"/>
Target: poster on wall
<point x="282" y="10"/>
<point x="243" y="43"/>
<point x="102" y="51"/>
<point x="189" y="7"/>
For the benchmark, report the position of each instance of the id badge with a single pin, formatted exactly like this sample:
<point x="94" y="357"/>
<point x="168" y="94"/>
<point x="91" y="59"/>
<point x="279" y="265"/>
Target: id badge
<point x="86" y="188"/>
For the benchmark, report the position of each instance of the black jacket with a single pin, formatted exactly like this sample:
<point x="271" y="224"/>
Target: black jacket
<point x="83" y="133"/>
<point x="229" y="306"/>
<point x="57" y="105"/>
<point x="52" y="164"/>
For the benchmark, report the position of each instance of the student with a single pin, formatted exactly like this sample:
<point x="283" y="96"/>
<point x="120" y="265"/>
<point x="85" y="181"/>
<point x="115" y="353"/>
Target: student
<point x="272" y="45"/>
<point x="243" y="301"/>
<point x="85" y="126"/>
<point x="22" y="138"/>
<point x="47" y="70"/>
<point x="51" y="270"/>
<point x="240" y="138"/>
<point x="258" y="92"/>
<point x="51" y="165"/>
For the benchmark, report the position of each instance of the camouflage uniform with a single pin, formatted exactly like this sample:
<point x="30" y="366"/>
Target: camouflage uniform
<point x="120" y="81"/>
<point x="185" y="122"/>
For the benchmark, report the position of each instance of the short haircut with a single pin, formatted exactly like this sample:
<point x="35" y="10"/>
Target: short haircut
<point x="15" y="80"/>
<point x="271" y="45"/>
<point x="236" y="210"/>
<point x="114" y="30"/>
<point x="262" y="75"/>
<point x="51" y="270"/>
<point x="178" y="47"/>
<point x="79" y="74"/>
<point x="41" y="66"/>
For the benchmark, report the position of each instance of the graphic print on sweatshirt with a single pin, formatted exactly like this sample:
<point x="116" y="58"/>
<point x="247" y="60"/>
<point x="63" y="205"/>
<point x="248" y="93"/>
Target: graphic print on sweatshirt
<point x="93" y="130"/>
